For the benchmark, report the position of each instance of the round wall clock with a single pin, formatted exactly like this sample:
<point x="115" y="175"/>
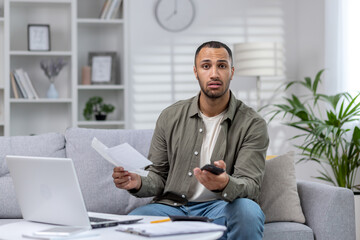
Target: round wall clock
<point x="175" y="15"/>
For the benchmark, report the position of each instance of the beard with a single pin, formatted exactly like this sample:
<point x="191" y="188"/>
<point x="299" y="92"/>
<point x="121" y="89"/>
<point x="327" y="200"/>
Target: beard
<point x="209" y="93"/>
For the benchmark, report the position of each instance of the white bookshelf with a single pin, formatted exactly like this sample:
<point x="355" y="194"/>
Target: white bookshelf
<point x="101" y="87"/>
<point x="42" y="1"/>
<point x="2" y="68"/>
<point x="42" y="100"/>
<point x="100" y="35"/>
<point x="51" y="53"/>
<point x="99" y="21"/>
<point x="75" y="30"/>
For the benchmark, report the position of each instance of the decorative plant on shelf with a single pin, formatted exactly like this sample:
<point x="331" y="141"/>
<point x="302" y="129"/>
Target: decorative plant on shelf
<point x="325" y="122"/>
<point x="96" y="106"/>
<point x="52" y="68"/>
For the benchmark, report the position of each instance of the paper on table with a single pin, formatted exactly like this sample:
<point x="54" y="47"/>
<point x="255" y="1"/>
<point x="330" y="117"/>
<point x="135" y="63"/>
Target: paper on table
<point x="123" y="155"/>
<point x="170" y="228"/>
<point x="76" y="236"/>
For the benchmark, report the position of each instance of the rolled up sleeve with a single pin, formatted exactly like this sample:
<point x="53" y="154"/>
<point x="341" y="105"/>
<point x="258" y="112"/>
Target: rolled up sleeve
<point x="249" y="166"/>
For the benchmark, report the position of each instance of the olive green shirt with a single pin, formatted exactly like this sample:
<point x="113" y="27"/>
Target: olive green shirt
<point x="176" y="145"/>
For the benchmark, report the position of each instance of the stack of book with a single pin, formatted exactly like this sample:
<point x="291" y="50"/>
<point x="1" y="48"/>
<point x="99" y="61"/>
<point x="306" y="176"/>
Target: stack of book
<point x="21" y="85"/>
<point x="110" y="9"/>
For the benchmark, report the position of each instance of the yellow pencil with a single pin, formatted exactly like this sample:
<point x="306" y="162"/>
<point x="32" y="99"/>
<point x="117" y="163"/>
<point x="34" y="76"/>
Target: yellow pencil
<point x="162" y="220"/>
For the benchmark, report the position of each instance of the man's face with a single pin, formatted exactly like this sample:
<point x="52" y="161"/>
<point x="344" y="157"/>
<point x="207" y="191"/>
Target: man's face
<point x="213" y="71"/>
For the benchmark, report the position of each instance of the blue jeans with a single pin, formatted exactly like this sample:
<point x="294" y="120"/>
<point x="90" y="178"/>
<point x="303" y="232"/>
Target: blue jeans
<point x="243" y="217"/>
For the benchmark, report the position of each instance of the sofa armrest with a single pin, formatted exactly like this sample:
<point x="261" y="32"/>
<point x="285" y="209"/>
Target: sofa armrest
<point x="329" y="211"/>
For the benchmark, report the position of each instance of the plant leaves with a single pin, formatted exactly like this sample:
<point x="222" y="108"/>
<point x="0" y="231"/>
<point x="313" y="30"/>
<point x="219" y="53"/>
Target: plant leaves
<point x="317" y="80"/>
<point x="322" y="121"/>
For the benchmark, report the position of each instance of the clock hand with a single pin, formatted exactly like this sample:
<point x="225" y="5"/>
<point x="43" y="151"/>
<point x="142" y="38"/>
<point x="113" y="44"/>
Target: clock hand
<point x="170" y="16"/>
<point x="175" y="9"/>
<point x="173" y="13"/>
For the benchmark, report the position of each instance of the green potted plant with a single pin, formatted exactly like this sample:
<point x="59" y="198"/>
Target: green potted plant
<point x="325" y="125"/>
<point x="95" y="106"/>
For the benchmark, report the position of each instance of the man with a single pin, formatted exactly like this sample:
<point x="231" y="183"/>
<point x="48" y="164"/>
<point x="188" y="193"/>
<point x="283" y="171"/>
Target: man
<point x="213" y="127"/>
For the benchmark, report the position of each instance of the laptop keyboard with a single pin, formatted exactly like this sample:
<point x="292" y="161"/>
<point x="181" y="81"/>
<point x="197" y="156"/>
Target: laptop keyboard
<point x="96" y="220"/>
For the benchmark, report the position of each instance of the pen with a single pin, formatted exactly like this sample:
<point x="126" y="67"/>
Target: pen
<point x="162" y="220"/>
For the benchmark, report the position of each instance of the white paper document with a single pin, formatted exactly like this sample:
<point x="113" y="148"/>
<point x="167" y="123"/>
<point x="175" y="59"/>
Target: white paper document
<point x="170" y="228"/>
<point x="76" y="236"/>
<point x="124" y="156"/>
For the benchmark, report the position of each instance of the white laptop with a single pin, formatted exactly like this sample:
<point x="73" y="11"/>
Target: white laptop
<point x="48" y="191"/>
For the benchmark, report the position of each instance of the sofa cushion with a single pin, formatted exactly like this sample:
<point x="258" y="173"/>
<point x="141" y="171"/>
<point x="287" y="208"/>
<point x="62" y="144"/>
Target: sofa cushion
<point x="9" y="207"/>
<point x="279" y="197"/>
<point x="287" y="230"/>
<point x="95" y="173"/>
<point x="44" y="145"/>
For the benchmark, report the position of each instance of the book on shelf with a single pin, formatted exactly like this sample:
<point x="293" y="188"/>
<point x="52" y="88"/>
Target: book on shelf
<point x="24" y="84"/>
<point x="113" y="9"/>
<point x="20" y="94"/>
<point x="14" y="86"/>
<point x="23" y="80"/>
<point x="20" y="85"/>
<point x="110" y="9"/>
<point x="32" y="89"/>
<point x="105" y="9"/>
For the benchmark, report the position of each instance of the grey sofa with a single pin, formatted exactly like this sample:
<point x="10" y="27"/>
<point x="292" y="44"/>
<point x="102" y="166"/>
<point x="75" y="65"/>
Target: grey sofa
<point x="329" y="211"/>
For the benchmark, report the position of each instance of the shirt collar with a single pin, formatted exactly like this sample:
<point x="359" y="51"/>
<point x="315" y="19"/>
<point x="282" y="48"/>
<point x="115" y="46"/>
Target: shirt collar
<point x="229" y="114"/>
<point x="194" y="107"/>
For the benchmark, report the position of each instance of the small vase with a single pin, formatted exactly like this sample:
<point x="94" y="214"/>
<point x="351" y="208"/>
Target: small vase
<point x="52" y="92"/>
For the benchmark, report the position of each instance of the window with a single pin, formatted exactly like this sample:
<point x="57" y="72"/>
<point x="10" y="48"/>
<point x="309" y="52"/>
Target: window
<point x="351" y="45"/>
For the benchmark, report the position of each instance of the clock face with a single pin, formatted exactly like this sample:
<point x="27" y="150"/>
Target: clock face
<point x="175" y="15"/>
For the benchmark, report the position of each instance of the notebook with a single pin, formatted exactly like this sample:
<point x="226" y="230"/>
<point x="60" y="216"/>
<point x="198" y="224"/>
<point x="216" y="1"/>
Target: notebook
<point x="48" y="191"/>
<point x="171" y="228"/>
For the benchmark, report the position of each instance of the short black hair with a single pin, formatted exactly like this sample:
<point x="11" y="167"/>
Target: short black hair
<point x="214" y="44"/>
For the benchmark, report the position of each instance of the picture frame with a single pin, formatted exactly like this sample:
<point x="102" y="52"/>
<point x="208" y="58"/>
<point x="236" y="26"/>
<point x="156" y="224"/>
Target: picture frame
<point x="103" y="67"/>
<point x="39" y="37"/>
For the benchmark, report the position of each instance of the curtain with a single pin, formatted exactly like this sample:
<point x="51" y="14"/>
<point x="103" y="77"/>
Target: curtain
<point x="342" y="46"/>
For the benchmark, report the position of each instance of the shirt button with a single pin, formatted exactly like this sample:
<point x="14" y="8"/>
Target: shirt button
<point x="183" y="196"/>
<point x="175" y="204"/>
<point x="190" y="174"/>
<point x="196" y="153"/>
<point x="225" y="195"/>
<point x="201" y="130"/>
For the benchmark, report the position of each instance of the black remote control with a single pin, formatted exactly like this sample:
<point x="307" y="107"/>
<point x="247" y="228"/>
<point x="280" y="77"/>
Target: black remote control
<point x="213" y="169"/>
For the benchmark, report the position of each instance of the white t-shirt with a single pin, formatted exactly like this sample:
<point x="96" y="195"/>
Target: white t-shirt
<point x="212" y="130"/>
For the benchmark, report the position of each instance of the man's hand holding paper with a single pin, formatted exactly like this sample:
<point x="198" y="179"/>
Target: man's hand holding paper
<point x="126" y="180"/>
<point x="123" y="156"/>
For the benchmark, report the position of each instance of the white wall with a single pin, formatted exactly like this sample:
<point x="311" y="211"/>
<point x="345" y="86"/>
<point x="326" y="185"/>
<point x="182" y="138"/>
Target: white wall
<point x="161" y="58"/>
<point x="309" y="36"/>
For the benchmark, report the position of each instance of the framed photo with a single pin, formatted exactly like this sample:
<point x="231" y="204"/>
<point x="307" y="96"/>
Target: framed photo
<point x="103" y="67"/>
<point x="39" y="37"/>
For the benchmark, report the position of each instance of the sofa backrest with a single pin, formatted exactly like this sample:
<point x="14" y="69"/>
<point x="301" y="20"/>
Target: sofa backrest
<point x="44" y="145"/>
<point x="95" y="173"/>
